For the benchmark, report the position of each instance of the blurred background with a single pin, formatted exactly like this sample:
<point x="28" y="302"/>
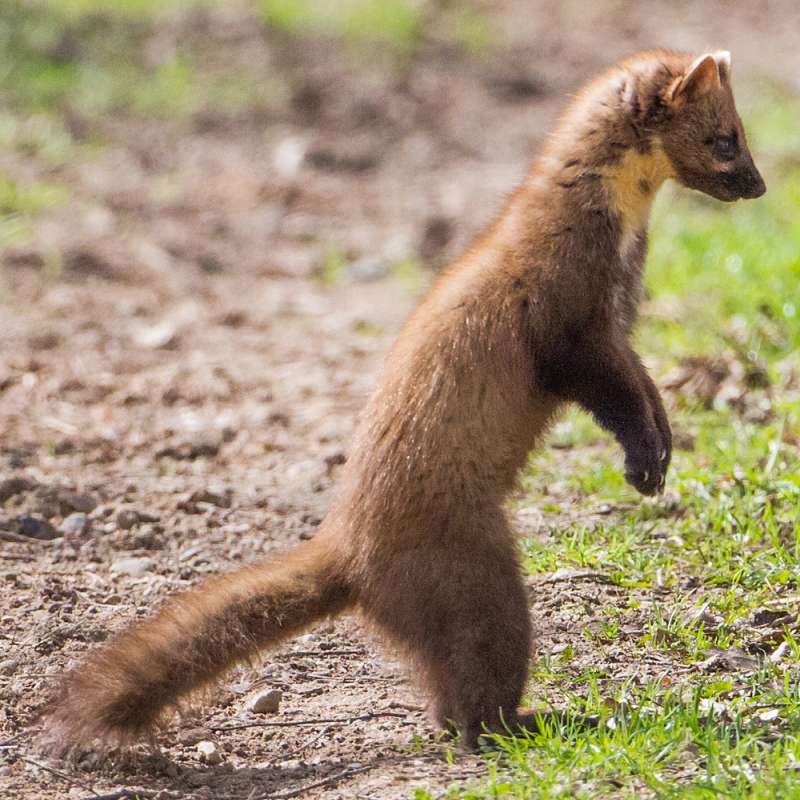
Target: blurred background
<point x="214" y="216"/>
<point x="312" y="138"/>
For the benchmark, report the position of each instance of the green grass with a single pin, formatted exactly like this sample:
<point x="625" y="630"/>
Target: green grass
<point x="89" y="59"/>
<point x="470" y="29"/>
<point x="690" y="568"/>
<point x="656" y="742"/>
<point x="396" y="22"/>
<point x="402" y="26"/>
<point x="20" y="203"/>
<point x="66" y="66"/>
<point x="96" y="57"/>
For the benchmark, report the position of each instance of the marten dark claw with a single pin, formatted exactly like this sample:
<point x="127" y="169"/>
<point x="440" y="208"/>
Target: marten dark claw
<point x="643" y="482"/>
<point x="645" y="470"/>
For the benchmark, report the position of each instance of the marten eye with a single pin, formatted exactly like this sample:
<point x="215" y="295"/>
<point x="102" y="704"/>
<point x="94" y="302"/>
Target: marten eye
<point x="725" y="147"/>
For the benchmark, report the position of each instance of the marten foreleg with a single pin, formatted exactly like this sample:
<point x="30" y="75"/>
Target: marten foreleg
<point x="606" y="377"/>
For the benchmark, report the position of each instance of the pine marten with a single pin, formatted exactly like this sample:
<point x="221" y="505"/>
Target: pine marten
<point x="537" y="313"/>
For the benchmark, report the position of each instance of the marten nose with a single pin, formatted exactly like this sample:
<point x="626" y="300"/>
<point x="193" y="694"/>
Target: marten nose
<point x="751" y="183"/>
<point x="755" y="185"/>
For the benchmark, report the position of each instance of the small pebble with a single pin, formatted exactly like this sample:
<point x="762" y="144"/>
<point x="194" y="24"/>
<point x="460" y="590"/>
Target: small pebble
<point x="216" y="495"/>
<point x="266" y="702"/>
<point x="127" y="518"/>
<point x="75" y="524"/>
<point x="36" y="528"/>
<point x="76" y="502"/>
<point x="134" y="567"/>
<point x="368" y="269"/>
<point x="12" y="486"/>
<point x="208" y="752"/>
<point x="288" y="155"/>
<point x="163" y="335"/>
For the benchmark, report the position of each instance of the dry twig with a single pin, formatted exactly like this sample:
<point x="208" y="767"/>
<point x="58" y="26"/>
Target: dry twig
<point x="335" y="778"/>
<point x="296" y="722"/>
<point x="72" y="781"/>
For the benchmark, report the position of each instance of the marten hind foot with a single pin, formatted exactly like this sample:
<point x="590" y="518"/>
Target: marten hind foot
<point x="477" y="670"/>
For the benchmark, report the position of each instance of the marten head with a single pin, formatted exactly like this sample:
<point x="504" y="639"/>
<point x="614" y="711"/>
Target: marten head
<point x="702" y="134"/>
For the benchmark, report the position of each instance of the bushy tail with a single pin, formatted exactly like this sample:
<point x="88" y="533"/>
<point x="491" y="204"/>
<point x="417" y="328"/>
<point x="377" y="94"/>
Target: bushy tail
<point x="121" y="691"/>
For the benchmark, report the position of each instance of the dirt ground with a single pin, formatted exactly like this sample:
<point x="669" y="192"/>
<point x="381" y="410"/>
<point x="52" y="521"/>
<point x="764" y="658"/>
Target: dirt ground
<point x="178" y="399"/>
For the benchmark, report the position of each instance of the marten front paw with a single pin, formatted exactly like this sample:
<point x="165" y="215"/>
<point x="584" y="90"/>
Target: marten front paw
<point x="647" y="460"/>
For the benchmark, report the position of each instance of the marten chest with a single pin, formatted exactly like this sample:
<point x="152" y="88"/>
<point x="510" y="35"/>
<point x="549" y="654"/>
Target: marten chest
<point x="625" y="290"/>
<point x="601" y="268"/>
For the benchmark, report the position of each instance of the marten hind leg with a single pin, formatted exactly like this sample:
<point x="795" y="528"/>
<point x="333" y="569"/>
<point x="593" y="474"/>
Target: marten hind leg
<point x="463" y="617"/>
<point x="477" y="670"/>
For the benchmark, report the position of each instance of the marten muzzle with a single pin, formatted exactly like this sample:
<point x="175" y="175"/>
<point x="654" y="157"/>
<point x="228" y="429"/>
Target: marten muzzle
<point x="747" y="182"/>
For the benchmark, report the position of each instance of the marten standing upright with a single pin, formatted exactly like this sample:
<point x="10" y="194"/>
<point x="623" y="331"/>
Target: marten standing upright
<point x="538" y="312"/>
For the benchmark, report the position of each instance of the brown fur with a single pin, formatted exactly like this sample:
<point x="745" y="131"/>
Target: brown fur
<point x="538" y="312"/>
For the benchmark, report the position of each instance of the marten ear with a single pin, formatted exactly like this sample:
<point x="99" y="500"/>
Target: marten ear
<point x="723" y="59"/>
<point x="702" y="77"/>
